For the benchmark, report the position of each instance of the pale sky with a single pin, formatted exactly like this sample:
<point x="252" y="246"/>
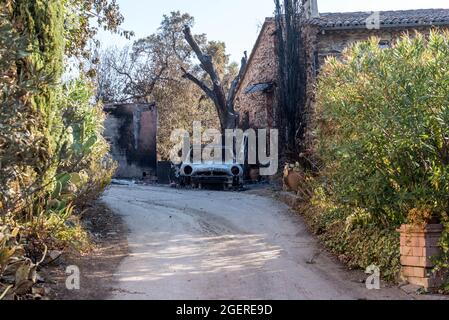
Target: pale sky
<point x="236" y="22"/>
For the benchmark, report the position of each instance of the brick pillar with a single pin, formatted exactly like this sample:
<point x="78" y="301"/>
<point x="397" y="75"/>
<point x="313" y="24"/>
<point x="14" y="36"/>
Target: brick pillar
<point x="418" y="246"/>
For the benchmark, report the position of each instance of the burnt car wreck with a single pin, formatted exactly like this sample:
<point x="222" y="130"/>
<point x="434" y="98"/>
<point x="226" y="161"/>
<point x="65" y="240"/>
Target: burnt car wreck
<point x="227" y="173"/>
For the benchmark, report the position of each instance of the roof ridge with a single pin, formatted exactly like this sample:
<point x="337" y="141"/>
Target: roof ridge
<point x="271" y="18"/>
<point x="406" y="10"/>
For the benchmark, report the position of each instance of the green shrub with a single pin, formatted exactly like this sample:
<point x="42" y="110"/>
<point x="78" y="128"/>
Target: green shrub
<point x="355" y="242"/>
<point x="384" y="127"/>
<point x="383" y="135"/>
<point x="85" y="154"/>
<point x="53" y="157"/>
<point x="51" y="144"/>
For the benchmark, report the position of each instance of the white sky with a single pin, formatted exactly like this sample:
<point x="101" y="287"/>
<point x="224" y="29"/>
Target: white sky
<point x="236" y="22"/>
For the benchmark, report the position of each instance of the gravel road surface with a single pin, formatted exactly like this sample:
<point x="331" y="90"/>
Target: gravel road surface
<point x="189" y="244"/>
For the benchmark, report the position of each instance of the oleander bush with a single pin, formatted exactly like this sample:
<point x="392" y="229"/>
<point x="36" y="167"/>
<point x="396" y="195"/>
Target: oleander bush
<point x="383" y="139"/>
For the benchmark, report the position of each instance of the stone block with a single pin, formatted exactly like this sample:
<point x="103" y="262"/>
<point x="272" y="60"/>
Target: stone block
<point x="411" y="261"/>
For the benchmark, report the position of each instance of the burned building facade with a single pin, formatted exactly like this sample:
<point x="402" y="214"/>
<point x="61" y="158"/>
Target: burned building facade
<point x="131" y="130"/>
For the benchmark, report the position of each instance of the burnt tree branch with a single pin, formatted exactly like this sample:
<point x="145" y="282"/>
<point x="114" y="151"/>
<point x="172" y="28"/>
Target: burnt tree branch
<point x="224" y="103"/>
<point x="234" y="85"/>
<point x="205" y="59"/>
<point x="199" y="83"/>
<point x="292" y="76"/>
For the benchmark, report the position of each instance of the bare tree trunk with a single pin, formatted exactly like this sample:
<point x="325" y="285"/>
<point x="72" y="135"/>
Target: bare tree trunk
<point x="224" y="102"/>
<point x="291" y="74"/>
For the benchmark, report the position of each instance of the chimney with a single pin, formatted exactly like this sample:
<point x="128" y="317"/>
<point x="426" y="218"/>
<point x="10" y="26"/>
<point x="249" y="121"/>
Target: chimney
<point x="311" y="9"/>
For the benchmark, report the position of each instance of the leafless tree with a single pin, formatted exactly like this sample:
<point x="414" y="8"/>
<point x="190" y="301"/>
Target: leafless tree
<point x="127" y="75"/>
<point x="216" y="91"/>
<point x="111" y="81"/>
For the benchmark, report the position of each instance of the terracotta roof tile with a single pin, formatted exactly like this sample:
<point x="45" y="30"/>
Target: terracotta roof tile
<point x="424" y="17"/>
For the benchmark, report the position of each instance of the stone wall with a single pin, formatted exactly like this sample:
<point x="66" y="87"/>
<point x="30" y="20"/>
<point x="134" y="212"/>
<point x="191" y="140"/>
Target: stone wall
<point x="131" y="130"/>
<point x="332" y="43"/>
<point x="256" y="110"/>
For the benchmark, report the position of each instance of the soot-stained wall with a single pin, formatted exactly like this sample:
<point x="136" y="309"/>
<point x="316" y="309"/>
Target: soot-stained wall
<point x="131" y="130"/>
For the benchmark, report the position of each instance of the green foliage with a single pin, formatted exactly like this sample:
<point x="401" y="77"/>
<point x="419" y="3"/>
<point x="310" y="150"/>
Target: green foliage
<point x="49" y="131"/>
<point x="365" y="246"/>
<point x="79" y="32"/>
<point x="384" y="131"/>
<point x="25" y="141"/>
<point x="383" y="137"/>
<point x="86" y="168"/>
<point x="53" y="157"/>
<point x="43" y="24"/>
<point x="355" y="242"/>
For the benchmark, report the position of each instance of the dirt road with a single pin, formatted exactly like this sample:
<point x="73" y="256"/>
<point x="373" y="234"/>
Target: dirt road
<point x="189" y="244"/>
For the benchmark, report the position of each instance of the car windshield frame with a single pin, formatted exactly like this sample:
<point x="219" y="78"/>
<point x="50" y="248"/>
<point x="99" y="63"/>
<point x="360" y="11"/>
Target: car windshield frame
<point x="225" y="150"/>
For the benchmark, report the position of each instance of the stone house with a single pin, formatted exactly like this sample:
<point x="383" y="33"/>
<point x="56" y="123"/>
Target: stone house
<point x="324" y="34"/>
